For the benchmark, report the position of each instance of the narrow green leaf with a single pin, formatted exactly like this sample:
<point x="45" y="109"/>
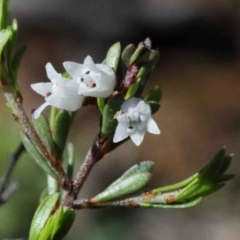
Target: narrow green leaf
<point x="42" y="127"/>
<point x="3" y="14"/>
<point x="141" y="167"/>
<point x="138" y="52"/>
<point x="70" y="159"/>
<point x="61" y="125"/>
<point x="113" y="55"/>
<point x="132" y="90"/>
<point x="154" y="106"/>
<point x="37" y="157"/>
<point x="127" y="53"/>
<point x="175" y="205"/>
<point x="5" y="35"/>
<point x="17" y="60"/>
<point x="225" y="177"/>
<point x="58" y="224"/>
<point x="176" y="186"/>
<point x="41" y="215"/>
<point x="101" y="104"/>
<point x="154" y="95"/>
<point x="109" y="123"/>
<point x="127" y="186"/>
<point x="65" y="225"/>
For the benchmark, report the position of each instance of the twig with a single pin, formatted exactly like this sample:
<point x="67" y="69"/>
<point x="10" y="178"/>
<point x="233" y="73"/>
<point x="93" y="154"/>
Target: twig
<point x="15" y="101"/>
<point x="5" y="189"/>
<point x="132" y="202"/>
<point x="93" y="155"/>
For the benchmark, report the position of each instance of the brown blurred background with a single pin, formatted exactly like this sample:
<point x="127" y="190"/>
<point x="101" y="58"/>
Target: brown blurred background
<point x="199" y="73"/>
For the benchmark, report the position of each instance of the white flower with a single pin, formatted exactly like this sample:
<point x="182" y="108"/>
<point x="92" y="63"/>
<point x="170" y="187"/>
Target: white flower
<point x="60" y="92"/>
<point x="134" y="120"/>
<point x="95" y="80"/>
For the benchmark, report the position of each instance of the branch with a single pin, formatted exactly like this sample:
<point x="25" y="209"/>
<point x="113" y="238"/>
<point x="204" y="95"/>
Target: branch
<point x="133" y="202"/>
<point x="15" y="102"/>
<point x="93" y="155"/>
<point x="5" y="189"/>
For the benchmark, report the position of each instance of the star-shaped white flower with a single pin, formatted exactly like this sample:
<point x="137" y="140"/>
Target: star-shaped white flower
<point x="60" y="92"/>
<point x="94" y="80"/>
<point x="134" y="120"/>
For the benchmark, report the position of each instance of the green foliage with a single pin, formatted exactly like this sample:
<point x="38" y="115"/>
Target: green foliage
<point x="113" y="56"/>
<point x="109" y="123"/>
<point x="41" y="125"/>
<point x="37" y="157"/>
<point x="61" y="126"/>
<point x="58" y="224"/>
<point x="42" y="215"/>
<point x="131" y="181"/>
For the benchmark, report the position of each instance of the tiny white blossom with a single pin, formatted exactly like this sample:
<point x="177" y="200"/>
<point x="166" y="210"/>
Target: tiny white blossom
<point x="134" y="120"/>
<point x="94" y="80"/>
<point x="60" y="92"/>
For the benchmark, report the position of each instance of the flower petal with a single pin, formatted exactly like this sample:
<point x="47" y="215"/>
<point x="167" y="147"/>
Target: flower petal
<point x="67" y="103"/>
<point x="38" y="111"/>
<point x="137" y="137"/>
<point x="51" y="72"/>
<point x="74" y="69"/>
<point x="152" y="127"/>
<point x="88" y="62"/>
<point x="106" y="69"/>
<point x="42" y="88"/>
<point x="120" y="133"/>
<point x="130" y="103"/>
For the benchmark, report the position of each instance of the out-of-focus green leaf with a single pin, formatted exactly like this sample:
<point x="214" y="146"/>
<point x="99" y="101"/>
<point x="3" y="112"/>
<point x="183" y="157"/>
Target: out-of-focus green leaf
<point x="37" y="157"/>
<point x="175" y="205"/>
<point x="154" y="95"/>
<point x="42" y="127"/>
<point x="113" y="55"/>
<point x="109" y="123"/>
<point x="3" y="14"/>
<point x="58" y="224"/>
<point x="127" y="54"/>
<point x="61" y="125"/>
<point x="17" y="60"/>
<point x="101" y="104"/>
<point x="41" y="215"/>
<point x="154" y="106"/>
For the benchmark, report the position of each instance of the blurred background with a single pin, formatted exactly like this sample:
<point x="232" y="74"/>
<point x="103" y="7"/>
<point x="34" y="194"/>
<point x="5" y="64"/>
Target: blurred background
<point x="199" y="73"/>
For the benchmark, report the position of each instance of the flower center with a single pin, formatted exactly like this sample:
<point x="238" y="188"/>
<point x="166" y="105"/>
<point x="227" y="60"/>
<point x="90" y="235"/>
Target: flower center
<point x="88" y="78"/>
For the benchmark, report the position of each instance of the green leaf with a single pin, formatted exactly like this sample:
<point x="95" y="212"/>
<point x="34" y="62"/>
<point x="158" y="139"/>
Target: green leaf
<point x="109" y="123"/>
<point x="17" y="60"/>
<point x="70" y="159"/>
<point x="5" y="35"/>
<point x="138" y="52"/>
<point x="37" y="157"/>
<point x="127" y="54"/>
<point x="174" y="205"/>
<point x="175" y="186"/>
<point x="149" y="56"/>
<point x="42" y="127"/>
<point x="113" y="56"/>
<point x="154" y="106"/>
<point x="42" y="214"/>
<point x="132" y="90"/>
<point x="129" y="185"/>
<point x="3" y="14"/>
<point x="58" y="224"/>
<point x="154" y="95"/>
<point x="61" y="125"/>
<point x="101" y="104"/>
<point x="141" y="167"/>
